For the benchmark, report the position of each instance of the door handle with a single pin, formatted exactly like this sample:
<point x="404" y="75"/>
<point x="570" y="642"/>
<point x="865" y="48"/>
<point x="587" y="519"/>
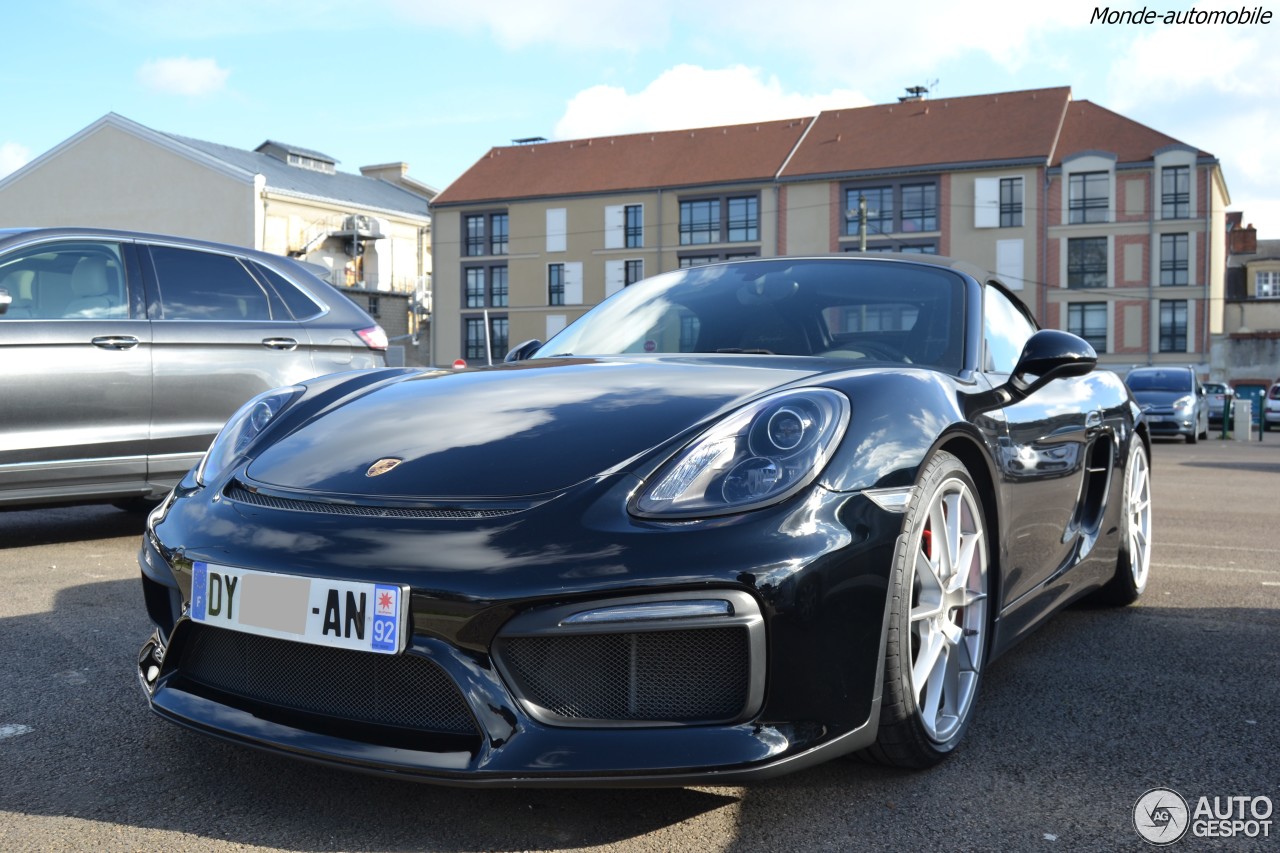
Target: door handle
<point x="285" y="344"/>
<point x="115" y="342"/>
<point x="1093" y="420"/>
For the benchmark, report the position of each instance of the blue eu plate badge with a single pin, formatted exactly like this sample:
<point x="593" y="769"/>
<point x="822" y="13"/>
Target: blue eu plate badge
<point x="386" y="618"/>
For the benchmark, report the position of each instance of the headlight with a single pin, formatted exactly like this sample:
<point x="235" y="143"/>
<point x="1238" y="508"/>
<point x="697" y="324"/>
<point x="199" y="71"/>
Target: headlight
<point x="758" y="455"/>
<point x="1184" y="402"/>
<point x="244" y="426"/>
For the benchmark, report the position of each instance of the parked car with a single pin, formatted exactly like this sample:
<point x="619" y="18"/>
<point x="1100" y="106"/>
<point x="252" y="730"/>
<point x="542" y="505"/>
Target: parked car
<point x="1172" y="399"/>
<point x="736" y="520"/>
<point x="1271" y="416"/>
<point x="125" y="353"/>
<point x="1218" y="395"/>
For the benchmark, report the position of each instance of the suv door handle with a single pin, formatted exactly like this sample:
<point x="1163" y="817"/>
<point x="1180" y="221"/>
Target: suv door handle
<point x="115" y="342"/>
<point x="286" y="344"/>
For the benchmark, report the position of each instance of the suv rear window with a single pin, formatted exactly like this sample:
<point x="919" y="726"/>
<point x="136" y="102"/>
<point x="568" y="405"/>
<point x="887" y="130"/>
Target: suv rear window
<point x="300" y="305"/>
<point x="207" y="286"/>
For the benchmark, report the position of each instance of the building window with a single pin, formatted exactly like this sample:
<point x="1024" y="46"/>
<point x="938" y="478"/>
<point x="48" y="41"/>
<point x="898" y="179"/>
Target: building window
<point x="920" y="207"/>
<point x="1175" y="192"/>
<point x="925" y="249"/>
<point x="699" y="222"/>
<point x="1010" y="202"/>
<point x="1087" y="197"/>
<point x="1267" y="284"/>
<point x="498" y="224"/>
<point x="485" y="287"/>
<point x="697" y="260"/>
<point x="476" y="348"/>
<point x="555" y="284"/>
<point x="473" y="226"/>
<point x="1089" y="321"/>
<point x="498" y="336"/>
<point x="744" y="219"/>
<point x="634" y="227"/>
<point x="1173" y="325"/>
<point x="879" y="210"/>
<point x="1173" y="259"/>
<point x="1087" y="262"/>
<point x="498" y="287"/>
<point x="475" y="287"/>
<point x="633" y="271"/>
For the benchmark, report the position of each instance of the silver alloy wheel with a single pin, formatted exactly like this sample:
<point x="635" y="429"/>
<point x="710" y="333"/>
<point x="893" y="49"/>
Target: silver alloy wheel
<point x="948" y="610"/>
<point x="1137" y="509"/>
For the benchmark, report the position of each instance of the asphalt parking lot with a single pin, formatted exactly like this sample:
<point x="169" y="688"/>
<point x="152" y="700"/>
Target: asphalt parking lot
<point x="1181" y="691"/>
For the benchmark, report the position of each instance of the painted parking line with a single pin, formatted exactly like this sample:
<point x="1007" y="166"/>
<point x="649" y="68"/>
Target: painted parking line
<point x="1216" y="569"/>
<point x="13" y="730"/>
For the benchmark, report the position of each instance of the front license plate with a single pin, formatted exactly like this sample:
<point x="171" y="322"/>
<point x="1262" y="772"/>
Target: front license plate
<point x="1157" y="419"/>
<point x="366" y="617"/>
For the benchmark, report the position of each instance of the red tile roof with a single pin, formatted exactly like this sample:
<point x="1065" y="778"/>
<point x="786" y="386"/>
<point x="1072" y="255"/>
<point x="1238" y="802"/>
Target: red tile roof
<point x="1004" y="126"/>
<point x="709" y="155"/>
<point x="1034" y="125"/>
<point x="1089" y="127"/>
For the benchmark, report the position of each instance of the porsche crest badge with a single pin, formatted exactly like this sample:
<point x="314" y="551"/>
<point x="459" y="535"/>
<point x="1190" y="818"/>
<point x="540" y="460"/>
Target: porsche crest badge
<point x="382" y="466"/>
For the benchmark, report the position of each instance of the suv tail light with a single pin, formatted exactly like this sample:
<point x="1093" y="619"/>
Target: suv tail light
<point x="374" y="337"/>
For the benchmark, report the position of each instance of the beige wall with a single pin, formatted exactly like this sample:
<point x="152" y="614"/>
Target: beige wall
<point x="114" y="179"/>
<point x="809" y="218"/>
<point x="979" y="245"/>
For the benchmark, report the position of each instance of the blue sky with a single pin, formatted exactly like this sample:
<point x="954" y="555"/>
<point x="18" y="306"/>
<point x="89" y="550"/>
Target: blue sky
<point x="436" y="84"/>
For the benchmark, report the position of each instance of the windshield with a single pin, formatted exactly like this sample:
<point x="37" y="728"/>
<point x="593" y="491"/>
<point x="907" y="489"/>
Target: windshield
<point x="877" y="310"/>
<point x="1178" y="381"/>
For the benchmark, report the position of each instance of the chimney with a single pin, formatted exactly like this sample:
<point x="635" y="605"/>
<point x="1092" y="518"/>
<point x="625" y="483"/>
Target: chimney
<point x="914" y="93"/>
<point x="389" y="172"/>
<point x="1243" y="241"/>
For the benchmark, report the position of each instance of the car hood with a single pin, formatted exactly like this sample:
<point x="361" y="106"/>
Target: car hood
<point x="1159" y="398"/>
<point x="517" y="430"/>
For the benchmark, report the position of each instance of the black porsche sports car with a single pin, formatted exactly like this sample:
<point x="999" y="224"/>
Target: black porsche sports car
<point x="736" y="520"/>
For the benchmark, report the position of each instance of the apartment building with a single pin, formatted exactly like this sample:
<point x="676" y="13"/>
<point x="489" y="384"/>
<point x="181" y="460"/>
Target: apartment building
<point x="1065" y="201"/>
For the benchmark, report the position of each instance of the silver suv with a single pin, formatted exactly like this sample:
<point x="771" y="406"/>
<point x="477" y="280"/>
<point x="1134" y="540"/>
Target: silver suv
<point x="122" y="354"/>
<point x="1172" y="399"/>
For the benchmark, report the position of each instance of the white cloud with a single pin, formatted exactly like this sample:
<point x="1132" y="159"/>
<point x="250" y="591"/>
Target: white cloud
<point x="890" y="46"/>
<point x="12" y="157"/>
<point x="614" y="26"/>
<point x="1243" y="65"/>
<point x="182" y="75"/>
<point x="689" y="96"/>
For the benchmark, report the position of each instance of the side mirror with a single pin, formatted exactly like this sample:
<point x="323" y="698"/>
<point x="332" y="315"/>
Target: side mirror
<point x="1050" y="354"/>
<point x="522" y="351"/>
<point x="5" y="300"/>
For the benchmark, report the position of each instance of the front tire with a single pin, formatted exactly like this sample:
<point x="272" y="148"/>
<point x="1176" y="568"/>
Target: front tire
<point x="938" y="622"/>
<point x="1133" y="565"/>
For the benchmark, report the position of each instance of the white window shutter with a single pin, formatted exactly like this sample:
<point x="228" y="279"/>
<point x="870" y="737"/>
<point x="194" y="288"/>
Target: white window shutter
<point x="573" y="283"/>
<point x="1009" y="263"/>
<point x="557" y="229"/>
<point x="615" y="277"/>
<point x="986" y="202"/>
<point x="614" y="226"/>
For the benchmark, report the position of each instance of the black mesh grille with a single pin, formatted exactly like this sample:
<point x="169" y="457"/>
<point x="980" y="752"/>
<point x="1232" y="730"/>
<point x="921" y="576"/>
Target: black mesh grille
<point x="391" y="690"/>
<point x="237" y="492"/>
<point x="685" y="676"/>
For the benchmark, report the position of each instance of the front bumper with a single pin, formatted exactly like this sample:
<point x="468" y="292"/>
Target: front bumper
<point x="814" y="569"/>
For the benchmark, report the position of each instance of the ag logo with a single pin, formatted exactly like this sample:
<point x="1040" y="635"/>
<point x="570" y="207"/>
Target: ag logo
<point x="382" y="466"/>
<point x="1161" y="816"/>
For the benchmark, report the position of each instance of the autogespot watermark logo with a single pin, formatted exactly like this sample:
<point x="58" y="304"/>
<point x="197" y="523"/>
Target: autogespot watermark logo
<point x="1161" y="816"/>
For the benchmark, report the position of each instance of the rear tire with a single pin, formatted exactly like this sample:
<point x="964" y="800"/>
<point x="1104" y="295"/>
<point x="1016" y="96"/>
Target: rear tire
<point x="938" y="622"/>
<point x="1133" y="564"/>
